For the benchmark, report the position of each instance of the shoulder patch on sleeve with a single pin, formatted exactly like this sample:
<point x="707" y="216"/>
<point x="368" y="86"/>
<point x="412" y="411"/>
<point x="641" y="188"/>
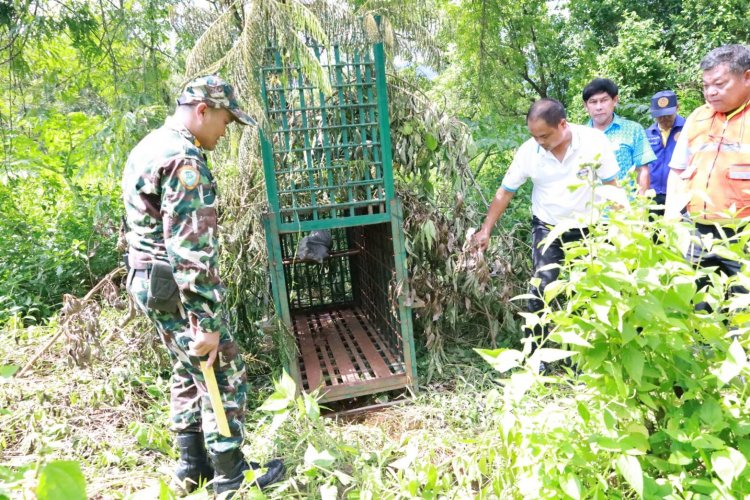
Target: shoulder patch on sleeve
<point x="188" y="176"/>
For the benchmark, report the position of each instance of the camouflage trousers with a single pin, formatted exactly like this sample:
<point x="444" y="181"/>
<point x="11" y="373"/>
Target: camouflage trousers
<point x="191" y="409"/>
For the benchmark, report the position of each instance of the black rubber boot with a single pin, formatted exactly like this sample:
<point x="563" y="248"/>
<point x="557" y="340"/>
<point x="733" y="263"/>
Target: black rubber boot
<point x="230" y="467"/>
<point x="193" y="467"/>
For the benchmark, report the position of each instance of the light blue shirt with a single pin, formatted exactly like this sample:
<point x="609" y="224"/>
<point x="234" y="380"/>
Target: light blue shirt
<point x="630" y="144"/>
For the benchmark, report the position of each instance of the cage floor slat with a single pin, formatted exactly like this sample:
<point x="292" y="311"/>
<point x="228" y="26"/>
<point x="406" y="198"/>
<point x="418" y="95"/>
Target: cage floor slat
<point x="344" y="355"/>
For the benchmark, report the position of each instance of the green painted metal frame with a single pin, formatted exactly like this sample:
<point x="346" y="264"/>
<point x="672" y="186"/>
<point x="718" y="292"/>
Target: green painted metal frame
<point x="300" y="209"/>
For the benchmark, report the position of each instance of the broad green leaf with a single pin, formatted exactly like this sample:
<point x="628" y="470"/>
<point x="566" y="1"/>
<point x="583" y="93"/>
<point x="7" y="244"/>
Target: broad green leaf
<point x="602" y="312"/>
<point x="287" y="384"/>
<point x="680" y="458"/>
<point x="501" y="360"/>
<point x="532" y="320"/>
<point x="165" y="493"/>
<point x="571" y="486"/>
<point x="283" y="396"/>
<point x="733" y="365"/>
<point x="630" y="469"/>
<point x="520" y="383"/>
<point x="318" y="458"/>
<point x="7" y="371"/>
<point x="275" y="402"/>
<point x="553" y="289"/>
<point x="557" y="231"/>
<point x="646" y="398"/>
<point x="708" y="442"/>
<point x="549" y="355"/>
<point x="431" y="142"/>
<point x="635" y="441"/>
<point x="710" y="411"/>
<point x="583" y="412"/>
<point x="408" y="459"/>
<point x="628" y="333"/>
<point x="312" y="409"/>
<point x="61" y="479"/>
<point x="728" y="464"/>
<point x="568" y="337"/>
<point x="343" y="478"/>
<point x="633" y="360"/>
<point x="329" y="492"/>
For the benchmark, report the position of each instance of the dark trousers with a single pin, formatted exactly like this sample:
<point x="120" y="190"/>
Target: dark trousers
<point x="701" y="258"/>
<point x="659" y="199"/>
<point x="553" y="255"/>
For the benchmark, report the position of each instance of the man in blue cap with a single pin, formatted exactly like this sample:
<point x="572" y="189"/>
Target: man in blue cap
<point x="662" y="136"/>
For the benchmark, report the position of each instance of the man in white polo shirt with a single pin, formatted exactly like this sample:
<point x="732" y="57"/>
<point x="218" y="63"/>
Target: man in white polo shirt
<point x="559" y="155"/>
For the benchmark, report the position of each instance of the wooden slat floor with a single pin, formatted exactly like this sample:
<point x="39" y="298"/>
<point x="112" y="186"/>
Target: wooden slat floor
<point x="342" y="354"/>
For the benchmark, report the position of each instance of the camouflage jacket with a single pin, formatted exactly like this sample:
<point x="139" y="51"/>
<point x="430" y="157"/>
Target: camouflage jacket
<point x="170" y="207"/>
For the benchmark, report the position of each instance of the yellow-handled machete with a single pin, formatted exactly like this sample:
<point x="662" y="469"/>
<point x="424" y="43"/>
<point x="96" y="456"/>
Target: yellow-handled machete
<point x="213" y="394"/>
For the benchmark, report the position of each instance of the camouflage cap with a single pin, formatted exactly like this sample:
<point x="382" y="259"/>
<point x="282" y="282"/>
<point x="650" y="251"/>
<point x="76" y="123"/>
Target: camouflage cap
<point x="215" y="92"/>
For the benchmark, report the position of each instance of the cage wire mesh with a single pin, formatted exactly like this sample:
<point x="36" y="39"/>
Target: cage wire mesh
<point x="328" y="166"/>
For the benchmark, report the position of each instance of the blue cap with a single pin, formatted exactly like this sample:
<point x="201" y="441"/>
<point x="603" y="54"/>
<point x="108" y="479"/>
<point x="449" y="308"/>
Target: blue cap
<point x="663" y="103"/>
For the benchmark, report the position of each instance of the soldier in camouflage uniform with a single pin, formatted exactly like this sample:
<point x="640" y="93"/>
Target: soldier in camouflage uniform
<point x="170" y="203"/>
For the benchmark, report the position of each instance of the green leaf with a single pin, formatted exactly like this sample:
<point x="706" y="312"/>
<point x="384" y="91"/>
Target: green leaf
<point x="429" y="233"/>
<point x="583" y="412"/>
<point x="283" y="396"/>
<point x="275" y="402"/>
<point x="520" y="383"/>
<point x="61" y="479"/>
<point x="318" y="458"/>
<point x="680" y="458"/>
<point x="405" y="462"/>
<point x="710" y="412"/>
<point x="630" y="469"/>
<point x="431" y="142"/>
<point x="328" y="492"/>
<point x="708" y="442"/>
<point x="165" y="493"/>
<point x="7" y="371"/>
<point x="568" y="337"/>
<point x="312" y="409"/>
<point x="549" y="355"/>
<point x="287" y="384"/>
<point x="571" y="486"/>
<point x="553" y="289"/>
<point x="343" y="478"/>
<point x="633" y="361"/>
<point x="501" y="360"/>
<point x="728" y="464"/>
<point x="734" y="364"/>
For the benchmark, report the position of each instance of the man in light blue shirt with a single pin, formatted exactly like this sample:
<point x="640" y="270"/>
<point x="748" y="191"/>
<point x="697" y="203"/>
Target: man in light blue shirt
<point x="628" y="138"/>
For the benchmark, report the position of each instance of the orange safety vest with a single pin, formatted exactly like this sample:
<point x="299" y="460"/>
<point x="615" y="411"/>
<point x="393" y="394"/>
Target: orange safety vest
<point x="718" y="171"/>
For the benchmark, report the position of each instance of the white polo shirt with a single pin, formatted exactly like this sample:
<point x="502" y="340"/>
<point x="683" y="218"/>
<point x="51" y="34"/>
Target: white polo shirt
<point x="551" y="199"/>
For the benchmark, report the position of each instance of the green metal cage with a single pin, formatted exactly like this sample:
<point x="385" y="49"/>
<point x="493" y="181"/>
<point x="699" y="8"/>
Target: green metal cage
<point x="328" y="158"/>
<point x="327" y="164"/>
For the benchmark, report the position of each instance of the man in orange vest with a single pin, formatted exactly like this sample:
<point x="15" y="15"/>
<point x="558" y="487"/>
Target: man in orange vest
<point x="710" y="167"/>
